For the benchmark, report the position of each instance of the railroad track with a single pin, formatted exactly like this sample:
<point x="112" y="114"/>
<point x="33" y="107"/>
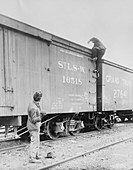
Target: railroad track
<point x="49" y="141"/>
<point x="21" y="146"/>
<point x="11" y="148"/>
<point x="47" y="167"/>
<point x="68" y="159"/>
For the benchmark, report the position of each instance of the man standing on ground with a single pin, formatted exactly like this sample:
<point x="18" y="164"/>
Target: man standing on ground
<point x="33" y="125"/>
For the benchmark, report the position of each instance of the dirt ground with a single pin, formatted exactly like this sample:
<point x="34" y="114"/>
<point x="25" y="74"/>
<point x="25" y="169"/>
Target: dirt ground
<point x="118" y="157"/>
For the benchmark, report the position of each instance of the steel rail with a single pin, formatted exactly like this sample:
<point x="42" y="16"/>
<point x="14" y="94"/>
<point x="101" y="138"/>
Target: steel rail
<point x="48" y="141"/>
<point x="83" y="154"/>
<point x="90" y="133"/>
<point x="13" y="147"/>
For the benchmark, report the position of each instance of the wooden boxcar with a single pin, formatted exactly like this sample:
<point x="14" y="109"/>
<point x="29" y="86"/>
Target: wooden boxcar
<point x="32" y="60"/>
<point x="115" y="89"/>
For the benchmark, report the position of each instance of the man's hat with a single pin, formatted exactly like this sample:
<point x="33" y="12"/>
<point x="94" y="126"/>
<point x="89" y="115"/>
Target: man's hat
<point x="94" y="40"/>
<point x="37" y="96"/>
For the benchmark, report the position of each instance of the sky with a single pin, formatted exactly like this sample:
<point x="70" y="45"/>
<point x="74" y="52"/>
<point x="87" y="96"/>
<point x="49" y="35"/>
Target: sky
<point x="111" y="21"/>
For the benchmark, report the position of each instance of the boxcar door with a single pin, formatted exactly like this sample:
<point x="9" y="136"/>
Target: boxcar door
<point x="8" y="67"/>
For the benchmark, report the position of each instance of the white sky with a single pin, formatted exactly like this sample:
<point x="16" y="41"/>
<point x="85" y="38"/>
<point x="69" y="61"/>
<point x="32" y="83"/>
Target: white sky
<point x="79" y="20"/>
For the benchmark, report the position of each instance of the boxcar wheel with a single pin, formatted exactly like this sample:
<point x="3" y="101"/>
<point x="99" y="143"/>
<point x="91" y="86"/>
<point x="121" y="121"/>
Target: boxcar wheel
<point x="76" y="129"/>
<point x="122" y="119"/>
<point x="111" y="124"/>
<point x="129" y="118"/>
<point x="51" y="126"/>
<point x="99" y="123"/>
<point x="74" y="132"/>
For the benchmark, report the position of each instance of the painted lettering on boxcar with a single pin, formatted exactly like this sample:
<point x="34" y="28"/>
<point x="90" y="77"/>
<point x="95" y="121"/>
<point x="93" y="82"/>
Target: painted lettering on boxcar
<point x="117" y="80"/>
<point x="127" y="82"/>
<point x="118" y="85"/>
<point x="75" y="80"/>
<point x="119" y="93"/>
<point x="71" y="67"/>
<point x="112" y="79"/>
<point x="121" y="90"/>
<point x="71" y="53"/>
<point x="72" y="80"/>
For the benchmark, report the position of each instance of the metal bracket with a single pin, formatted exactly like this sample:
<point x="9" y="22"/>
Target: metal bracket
<point x="8" y="90"/>
<point x="11" y="107"/>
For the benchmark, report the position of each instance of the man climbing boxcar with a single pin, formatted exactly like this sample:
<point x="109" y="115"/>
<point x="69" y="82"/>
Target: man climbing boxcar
<point x="98" y="49"/>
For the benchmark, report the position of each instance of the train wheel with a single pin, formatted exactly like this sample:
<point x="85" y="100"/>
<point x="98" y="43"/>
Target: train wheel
<point x="99" y="123"/>
<point x="74" y="132"/>
<point x="75" y="128"/>
<point x="122" y="119"/>
<point x="111" y="124"/>
<point x="129" y="118"/>
<point x="51" y="127"/>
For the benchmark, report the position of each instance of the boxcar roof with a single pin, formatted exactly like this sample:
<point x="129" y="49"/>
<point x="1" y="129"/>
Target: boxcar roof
<point x="117" y="65"/>
<point x="28" y="29"/>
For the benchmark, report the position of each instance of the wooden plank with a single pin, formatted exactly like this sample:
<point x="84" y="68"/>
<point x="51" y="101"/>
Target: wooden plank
<point x="38" y="33"/>
<point x="25" y="28"/>
<point x="32" y="61"/>
<point x="2" y="97"/>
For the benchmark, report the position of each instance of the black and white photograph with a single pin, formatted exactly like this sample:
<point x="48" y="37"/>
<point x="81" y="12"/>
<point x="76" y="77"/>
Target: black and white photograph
<point x="66" y="85"/>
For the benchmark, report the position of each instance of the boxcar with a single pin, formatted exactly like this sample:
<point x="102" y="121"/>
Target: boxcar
<point x="32" y="60"/>
<point x="115" y="89"/>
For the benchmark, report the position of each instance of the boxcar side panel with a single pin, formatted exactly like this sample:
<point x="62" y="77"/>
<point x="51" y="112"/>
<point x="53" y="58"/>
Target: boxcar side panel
<point x="65" y="76"/>
<point x="117" y="89"/>
<point x="32" y="63"/>
<point x="72" y="82"/>
<point x="26" y="63"/>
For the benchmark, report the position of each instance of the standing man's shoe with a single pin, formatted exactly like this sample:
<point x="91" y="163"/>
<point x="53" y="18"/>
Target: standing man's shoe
<point x="34" y="161"/>
<point x="39" y="157"/>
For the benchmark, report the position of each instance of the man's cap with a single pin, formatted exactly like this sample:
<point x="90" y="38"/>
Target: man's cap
<point x="94" y="40"/>
<point x="37" y="96"/>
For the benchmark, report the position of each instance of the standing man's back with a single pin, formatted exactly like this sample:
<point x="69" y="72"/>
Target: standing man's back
<point x="33" y="125"/>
